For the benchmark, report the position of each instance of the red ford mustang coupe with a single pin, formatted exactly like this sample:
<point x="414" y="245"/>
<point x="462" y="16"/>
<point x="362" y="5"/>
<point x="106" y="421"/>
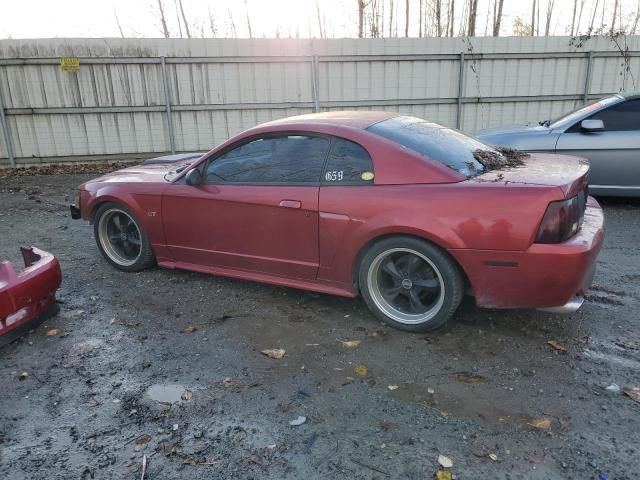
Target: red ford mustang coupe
<point x="407" y="213"/>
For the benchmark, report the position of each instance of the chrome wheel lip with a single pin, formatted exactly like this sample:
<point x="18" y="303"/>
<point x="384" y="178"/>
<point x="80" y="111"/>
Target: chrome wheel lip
<point x="388" y="309"/>
<point x="105" y="242"/>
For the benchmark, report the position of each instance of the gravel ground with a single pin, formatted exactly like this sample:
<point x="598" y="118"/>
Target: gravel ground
<point x="125" y="378"/>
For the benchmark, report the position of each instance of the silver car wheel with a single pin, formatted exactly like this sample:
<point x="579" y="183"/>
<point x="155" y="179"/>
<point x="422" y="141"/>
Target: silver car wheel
<point x="120" y="237"/>
<point x="406" y="286"/>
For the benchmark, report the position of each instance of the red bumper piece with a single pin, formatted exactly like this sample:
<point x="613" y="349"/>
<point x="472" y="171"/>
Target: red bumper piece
<point x="27" y="296"/>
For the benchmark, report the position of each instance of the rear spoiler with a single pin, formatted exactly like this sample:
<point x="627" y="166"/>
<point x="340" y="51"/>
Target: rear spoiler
<point x="175" y="158"/>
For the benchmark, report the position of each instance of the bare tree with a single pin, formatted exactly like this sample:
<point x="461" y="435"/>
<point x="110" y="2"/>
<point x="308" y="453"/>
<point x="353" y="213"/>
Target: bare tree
<point x="497" y="17"/>
<point x="438" y="15"/>
<point x="547" y="25"/>
<point x="391" y="18"/>
<point x="635" y="20"/>
<point x="420" y="18"/>
<point x="118" y="23"/>
<point x="582" y="2"/>
<point x="573" y="17"/>
<point x="232" y="25"/>
<point x="473" y="13"/>
<point x="184" y="19"/>
<point x="212" y="24"/>
<point x="533" y="18"/>
<point x="175" y="3"/>
<point x="361" y="7"/>
<point x="322" y="33"/>
<point x="593" y="17"/>
<point x="613" y="20"/>
<point x="452" y="12"/>
<point x="163" y="20"/>
<point x="406" y="18"/>
<point x="246" y="8"/>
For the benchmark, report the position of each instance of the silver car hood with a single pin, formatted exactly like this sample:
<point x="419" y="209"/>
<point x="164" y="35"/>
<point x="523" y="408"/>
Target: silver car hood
<point x="513" y="130"/>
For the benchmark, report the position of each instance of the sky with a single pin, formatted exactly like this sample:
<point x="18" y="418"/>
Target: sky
<point x="268" y="18"/>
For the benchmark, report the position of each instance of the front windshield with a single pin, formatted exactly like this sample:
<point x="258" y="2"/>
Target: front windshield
<point x="580" y="112"/>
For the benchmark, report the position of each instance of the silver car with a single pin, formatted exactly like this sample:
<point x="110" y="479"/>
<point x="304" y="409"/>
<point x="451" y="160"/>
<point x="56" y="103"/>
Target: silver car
<point x="607" y="132"/>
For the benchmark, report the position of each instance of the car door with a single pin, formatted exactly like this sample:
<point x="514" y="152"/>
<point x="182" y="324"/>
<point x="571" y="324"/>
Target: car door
<point x="257" y="209"/>
<point x="614" y="153"/>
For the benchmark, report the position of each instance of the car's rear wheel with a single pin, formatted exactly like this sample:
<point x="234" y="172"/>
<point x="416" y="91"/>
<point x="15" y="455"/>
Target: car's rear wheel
<point x="121" y="238"/>
<point x="410" y="284"/>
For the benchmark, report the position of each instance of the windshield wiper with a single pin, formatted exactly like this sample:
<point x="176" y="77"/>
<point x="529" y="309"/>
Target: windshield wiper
<point x="544" y="123"/>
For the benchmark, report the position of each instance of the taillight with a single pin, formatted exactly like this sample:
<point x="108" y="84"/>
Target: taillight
<point x="562" y="220"/>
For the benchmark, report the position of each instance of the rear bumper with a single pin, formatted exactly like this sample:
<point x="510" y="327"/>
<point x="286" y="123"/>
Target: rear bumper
<point x="27" y="296"/>
<point x="544" y="275"/>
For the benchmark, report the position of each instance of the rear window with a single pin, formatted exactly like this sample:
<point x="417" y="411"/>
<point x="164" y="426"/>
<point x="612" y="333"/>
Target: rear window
<point x="445" y="145"/>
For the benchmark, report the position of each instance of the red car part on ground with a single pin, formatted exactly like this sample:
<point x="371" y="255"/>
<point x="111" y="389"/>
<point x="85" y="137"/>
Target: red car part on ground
<point x="29" y="296"/>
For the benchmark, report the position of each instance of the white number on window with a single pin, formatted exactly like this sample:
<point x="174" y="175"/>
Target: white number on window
<point x="334" y="176"/>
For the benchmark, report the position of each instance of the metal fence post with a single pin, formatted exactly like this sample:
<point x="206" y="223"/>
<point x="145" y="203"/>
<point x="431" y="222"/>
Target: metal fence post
<point x="460" y="92"/>
<point x="4" y="124"/>
<point x="587" y="78"/>
<point x="167" y="99"/>
<point x="315" y="83"/>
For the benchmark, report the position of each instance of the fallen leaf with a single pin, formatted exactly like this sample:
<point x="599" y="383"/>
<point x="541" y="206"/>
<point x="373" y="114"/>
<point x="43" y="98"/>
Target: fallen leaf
<point x="113" y="320"/>
<point x="466" y="378"/>
<point x="493" y="457"/>
<point x="392" y="387"/>
<point x="142" y="439"/>
<point x="227" y="382"/>
<point x="443" y="475"/>
<point x="23" y="376"/>
<point x="53" y="332"/>
<point x="445" y="462"/>
<point x="298" y="421"/>
<point x="542" y="423"/>
<point x="351" y="343"/>
<point x="274" y="352"/>
<point x="632" y="393"/>
<point x="186" y="395"/>
<point x="188" y="329"/>
<point x="557" y="346"/>
<point x="361" y="370"/>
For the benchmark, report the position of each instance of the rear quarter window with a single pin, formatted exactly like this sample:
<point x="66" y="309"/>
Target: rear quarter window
<point x="445" y="145"/>
<point x="348" y="164"/>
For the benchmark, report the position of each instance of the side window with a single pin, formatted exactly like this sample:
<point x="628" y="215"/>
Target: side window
<point x="293" y="159"/>
<point x="621" y="117"/>
<point x="348" y="164"/>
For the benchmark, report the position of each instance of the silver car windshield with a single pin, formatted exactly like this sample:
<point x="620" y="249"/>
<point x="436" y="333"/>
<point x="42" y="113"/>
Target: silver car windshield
<point x="582" y="111"/>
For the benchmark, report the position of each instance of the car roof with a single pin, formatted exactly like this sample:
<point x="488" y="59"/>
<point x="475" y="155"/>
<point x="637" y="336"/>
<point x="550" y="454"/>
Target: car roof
<point x="629" y="95"/>
<point x="346" y="118"/>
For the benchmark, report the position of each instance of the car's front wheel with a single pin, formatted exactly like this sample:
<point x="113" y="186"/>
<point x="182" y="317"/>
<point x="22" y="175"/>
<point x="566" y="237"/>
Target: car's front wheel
<point x="121" y="238"/>
<point x="410" y="284"/>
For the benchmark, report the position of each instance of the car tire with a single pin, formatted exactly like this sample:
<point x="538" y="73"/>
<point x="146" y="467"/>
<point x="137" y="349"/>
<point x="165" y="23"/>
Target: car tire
<point x="121" y="238"/>
<point x="410" y="284"/>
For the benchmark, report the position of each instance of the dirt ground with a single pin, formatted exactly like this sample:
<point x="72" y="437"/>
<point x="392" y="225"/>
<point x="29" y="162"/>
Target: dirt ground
<point x="122" y="380"/>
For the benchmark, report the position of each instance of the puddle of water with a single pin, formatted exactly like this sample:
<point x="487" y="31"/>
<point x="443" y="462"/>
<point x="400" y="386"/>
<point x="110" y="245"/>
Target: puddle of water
<point x="165" y="393"/>
<point x="466" y="405"/>
<point x="612" y="358"/>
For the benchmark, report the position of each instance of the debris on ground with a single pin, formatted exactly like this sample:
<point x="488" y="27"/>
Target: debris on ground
<point x="97" y="168"/>
<point x="186" y="395"/>
<point x="392" y="387"/>
<point x="52" y="332"/>
<point x="274" y="352"/>
<point x="188" y="329"/>
<point x="557" y="346"/>
<point x="468" y="378"/>
<point x="23" y="376"/>
<point x="298" y="421"/>
<point x="143" y="439"/>
<point x="443" y="475"/>
<point x="444" y="461"/>
<point x="541" y="423"/>
<point x="361" y="370"/>
<point x="500" y="158"/>
<point x="614" y="387"/>
<point x="351" y="343"/>
<point x="632" y="393"/>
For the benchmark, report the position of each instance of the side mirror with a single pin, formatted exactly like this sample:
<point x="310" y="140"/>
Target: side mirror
<point x="592" y="125"/>
<point x="194" y="178"/>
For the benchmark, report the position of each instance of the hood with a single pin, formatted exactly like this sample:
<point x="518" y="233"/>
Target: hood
<point x="515" y="129"/>
<point x="159" y="169"/>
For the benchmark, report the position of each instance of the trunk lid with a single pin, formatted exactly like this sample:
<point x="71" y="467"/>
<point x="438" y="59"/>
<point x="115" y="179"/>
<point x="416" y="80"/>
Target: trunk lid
<point x="570" y="174"/>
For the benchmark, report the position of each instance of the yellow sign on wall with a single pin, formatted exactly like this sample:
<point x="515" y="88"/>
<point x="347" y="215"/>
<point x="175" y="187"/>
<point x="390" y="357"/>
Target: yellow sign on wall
<point x="70" y="64"/>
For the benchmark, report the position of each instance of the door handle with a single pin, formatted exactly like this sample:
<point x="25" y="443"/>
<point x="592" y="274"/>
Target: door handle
<point x="290" y="204"/>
